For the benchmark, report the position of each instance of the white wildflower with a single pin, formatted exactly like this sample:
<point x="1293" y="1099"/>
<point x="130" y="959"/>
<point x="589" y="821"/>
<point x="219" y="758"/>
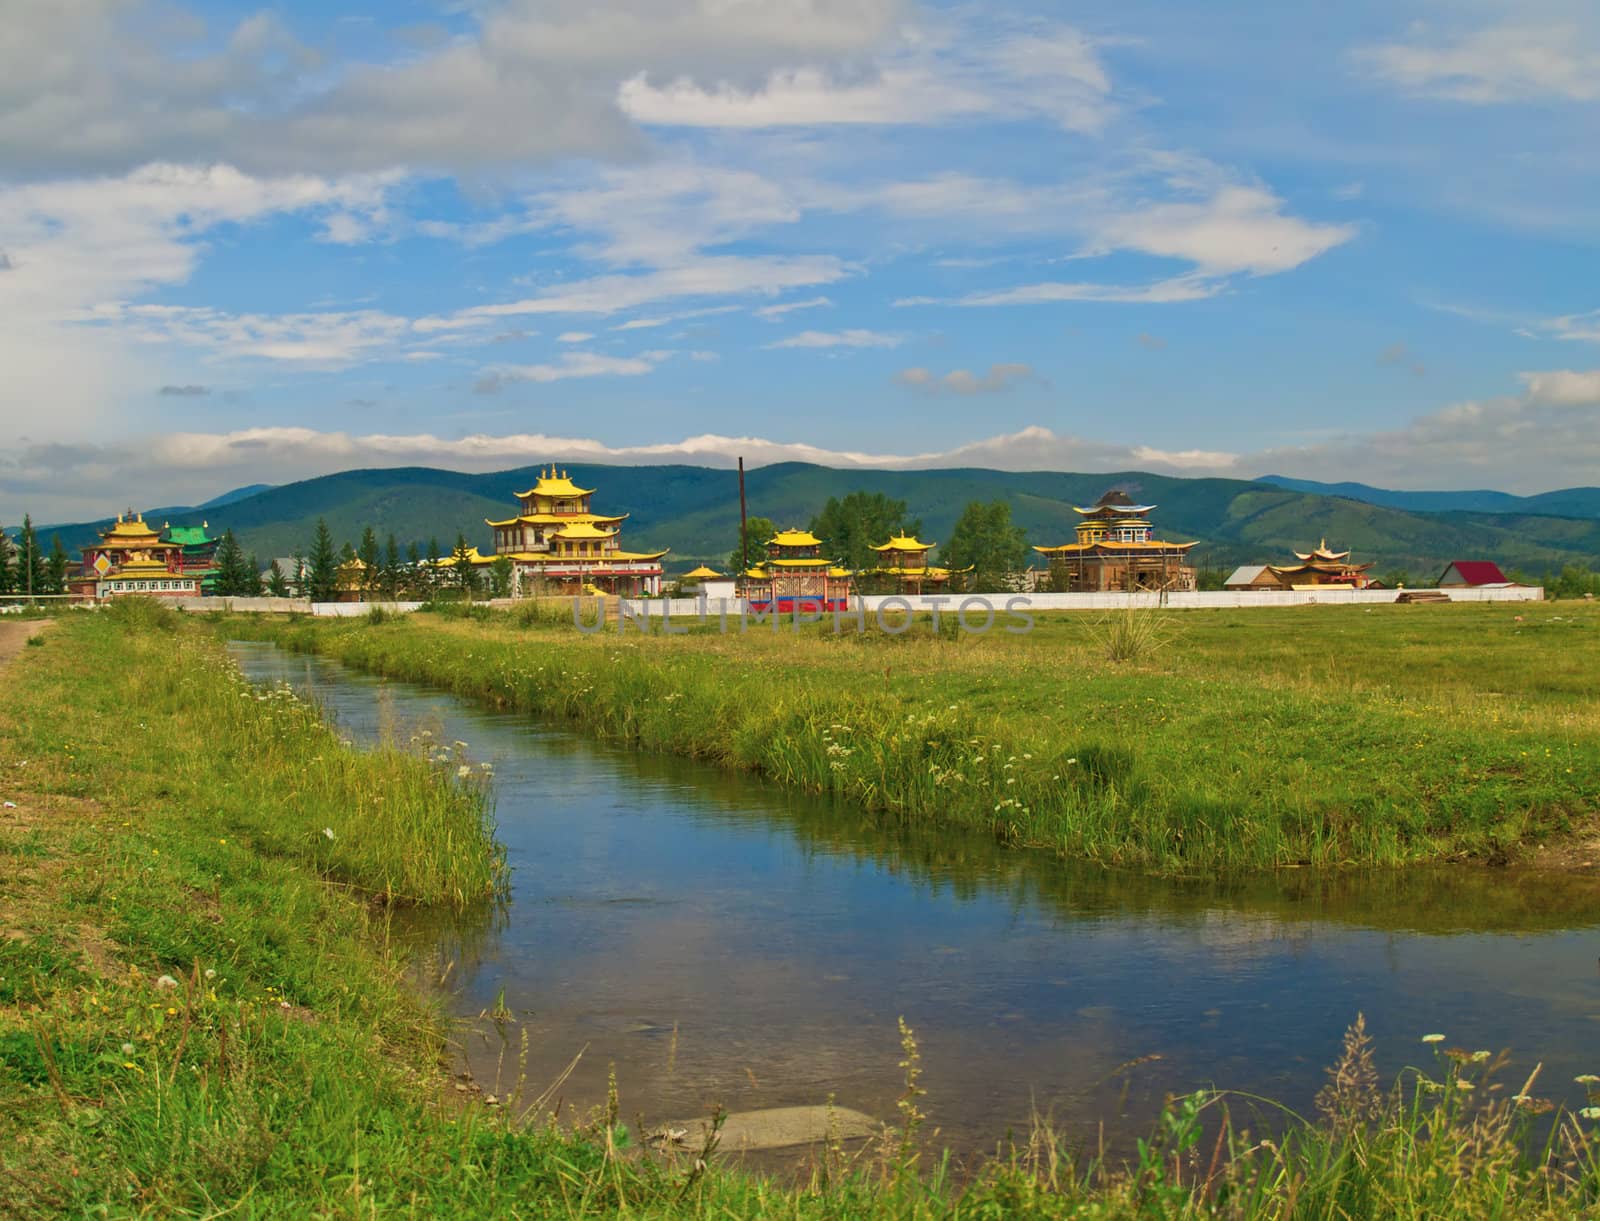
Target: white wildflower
<point x="328" y="831"/>
<point x="166" y="981"/>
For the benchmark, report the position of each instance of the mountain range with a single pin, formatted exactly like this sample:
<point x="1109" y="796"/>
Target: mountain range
<point x="695" y="512"/>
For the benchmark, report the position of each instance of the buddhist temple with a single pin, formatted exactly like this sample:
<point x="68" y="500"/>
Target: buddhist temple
<point x="133" y="558"/>
<point x="1321" y="568"/>
<point x="903" y="562"/>
<point x="199" y="550"/>
<point x="1114" y="551"/>
<point x="797" y="575"/>
<point x="558" y="544"/>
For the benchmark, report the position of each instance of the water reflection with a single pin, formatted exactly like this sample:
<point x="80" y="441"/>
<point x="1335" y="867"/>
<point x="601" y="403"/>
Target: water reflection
<point x="719" y="940"/>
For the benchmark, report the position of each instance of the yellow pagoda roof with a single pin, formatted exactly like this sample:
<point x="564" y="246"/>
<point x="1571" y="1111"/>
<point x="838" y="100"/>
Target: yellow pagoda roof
<point x="551" y="484"/>
<point x="473" y="557"/>
<point x="1152" y="545"/>
<point x="1322" y="553"/>
<point x="757" y="573"/>
<point x="556" y="519"/>
<point x="129" y="528"/>
<point x="142" y="566"/>
<point x="808" y="562"/>
<point x="836" y="571"/>
<point x="702" y="573"/>
<point x="584" y="529"/>
<point x="904" y="542"/>
<point x="794" y="538"/>
<point x="561" y="561"/>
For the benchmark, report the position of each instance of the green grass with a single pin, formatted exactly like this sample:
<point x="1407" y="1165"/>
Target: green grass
<point x="1323" y="736"/>
<point x="201" y="1013"/>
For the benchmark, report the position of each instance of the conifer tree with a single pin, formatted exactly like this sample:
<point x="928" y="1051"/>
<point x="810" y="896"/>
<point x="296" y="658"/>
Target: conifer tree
<point x="297" y="575"/>
<point x="226" y="560"/>
<point x="30" y="564"/>
<point x="392" y="573"/>
<point x="413" y="574"/>
<point x="466" y="580"/>
<point x="56" y="567"/>
<point x="277" y="583"/>
<point x="8" y="563"/>
<point x="322" y="566"/>
<point x="250" y="576"/>
<point x="371" y="563"/>
<point x="430" y="574"/>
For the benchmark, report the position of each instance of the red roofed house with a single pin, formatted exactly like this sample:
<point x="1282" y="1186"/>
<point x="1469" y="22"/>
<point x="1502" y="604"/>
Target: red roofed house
<point x="1474" y="572"/>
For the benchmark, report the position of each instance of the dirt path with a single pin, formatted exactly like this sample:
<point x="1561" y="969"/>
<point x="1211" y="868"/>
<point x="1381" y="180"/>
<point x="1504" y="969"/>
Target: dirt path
<point x="14" y="635"/>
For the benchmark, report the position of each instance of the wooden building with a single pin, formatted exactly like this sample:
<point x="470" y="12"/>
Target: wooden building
<point x="796" y="575"/>
<point x="903" y="563"/>
<point x="1320" y="568"/>
<point x="558" y="544"/>
<point x="1114" y="551"/>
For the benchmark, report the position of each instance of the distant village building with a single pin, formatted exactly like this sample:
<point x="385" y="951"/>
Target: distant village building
<point x="903" y="561"/>
<point x="558" y="545"/>
<point x="1321" y="568"/>
<point x="133" y="558"/>
<point x="797" y="575"/>
<point x="1253" y="576"/>
<point x="707" y="581"/>
<point x="1473" y="573"/>
<point x="1114" y="551"/>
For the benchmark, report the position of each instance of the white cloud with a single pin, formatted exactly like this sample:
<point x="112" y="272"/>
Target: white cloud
<point x="1582" y="328"/>
<point x="574" y="337"/>
<point x="571" y="365"/>
<point x="1562" y="388"/>
<point x="709" y="276"/>
<point x="839" y="339"/>
<point x="772" y="313"/>
<point x="1182" y="288"/>
<point x="322" y="340"/>
<point x="935" y="73"/>
<point x="1238" y="229"/>
<point x="964" y="382"/>
<point x="1557" y="61"/>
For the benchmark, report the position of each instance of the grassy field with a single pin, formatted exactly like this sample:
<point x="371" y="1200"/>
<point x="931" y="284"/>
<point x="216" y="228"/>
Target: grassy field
<point x="1239" y="740"/>
<point x="201" y="1013"/>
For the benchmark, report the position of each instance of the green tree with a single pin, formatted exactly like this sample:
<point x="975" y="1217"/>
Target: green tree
<point x="55" y="567"/>
<point x="428" y="584"/>
<point x="371" y="564"/>
<point x="985" y="540"/>
<point x="235" y="577"/>
<point x="251" y="575"/>
<point x="297" y="575"/>
<point x="277" y="583"/>
<point x="758" y="531"/>
<point x="30" y="564"/>
<point x="851" y="527"/>
<point x="393" y="573"/>
<point x="413" y="575"/>
<point x="322" y="565"/>
<point x="8" y="563"/>
<point x="500" y="574"/>
<point x="463" y="577"/>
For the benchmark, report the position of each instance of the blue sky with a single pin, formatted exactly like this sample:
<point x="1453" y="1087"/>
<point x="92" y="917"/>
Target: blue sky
<point x="244" y="244"/>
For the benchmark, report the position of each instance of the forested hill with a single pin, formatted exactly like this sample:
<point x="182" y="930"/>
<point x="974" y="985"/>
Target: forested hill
<point x="695" y="511"/>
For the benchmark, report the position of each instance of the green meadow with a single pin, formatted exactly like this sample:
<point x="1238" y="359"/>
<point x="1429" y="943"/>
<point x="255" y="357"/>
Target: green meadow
<point x="202" y="1013"/>
<point x="1229" y="741"/>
